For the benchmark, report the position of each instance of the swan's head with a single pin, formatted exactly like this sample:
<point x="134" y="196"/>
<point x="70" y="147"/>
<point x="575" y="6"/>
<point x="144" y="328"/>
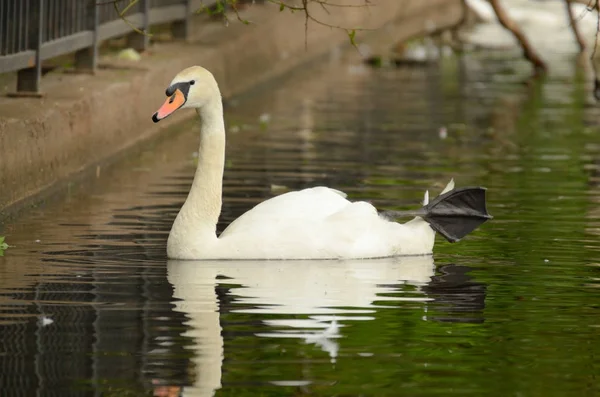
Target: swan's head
<point x="193" y="87"/>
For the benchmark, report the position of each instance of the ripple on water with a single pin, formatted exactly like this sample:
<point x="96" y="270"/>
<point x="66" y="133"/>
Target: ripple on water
<point x="90" y="304"/>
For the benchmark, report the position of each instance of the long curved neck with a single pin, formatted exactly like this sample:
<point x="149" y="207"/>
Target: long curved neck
<point x="207" y="188"/>
<point x="197" y="219"/>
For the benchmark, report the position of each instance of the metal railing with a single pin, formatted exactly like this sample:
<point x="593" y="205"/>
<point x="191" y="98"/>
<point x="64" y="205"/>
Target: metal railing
<point x="32" y="31"/>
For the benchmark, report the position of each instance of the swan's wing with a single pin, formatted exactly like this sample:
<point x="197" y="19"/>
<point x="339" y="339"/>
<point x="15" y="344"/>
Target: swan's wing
<point x="320" y="223"/>
<point x="309" y="205"/>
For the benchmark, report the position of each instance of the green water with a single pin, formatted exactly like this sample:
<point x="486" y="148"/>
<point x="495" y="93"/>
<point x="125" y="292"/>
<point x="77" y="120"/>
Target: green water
<point x="90" y="306"/>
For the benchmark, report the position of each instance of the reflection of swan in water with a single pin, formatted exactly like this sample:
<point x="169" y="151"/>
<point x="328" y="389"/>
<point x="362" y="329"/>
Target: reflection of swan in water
<point x="312" y="288"/>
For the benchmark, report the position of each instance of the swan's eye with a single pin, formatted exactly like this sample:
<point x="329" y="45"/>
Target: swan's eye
<point x="192" y="82"/>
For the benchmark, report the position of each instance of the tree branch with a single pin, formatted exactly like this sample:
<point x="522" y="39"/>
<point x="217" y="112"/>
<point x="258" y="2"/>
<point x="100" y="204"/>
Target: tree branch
<point x="590" y="5"/>
<point x="528" y="51"/>
<point x="596" y="78"/>
<point x="574" y="27"/>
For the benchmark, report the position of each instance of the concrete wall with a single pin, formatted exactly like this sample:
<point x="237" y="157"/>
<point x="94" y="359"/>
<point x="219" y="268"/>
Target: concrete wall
<point x="83" y="120"/>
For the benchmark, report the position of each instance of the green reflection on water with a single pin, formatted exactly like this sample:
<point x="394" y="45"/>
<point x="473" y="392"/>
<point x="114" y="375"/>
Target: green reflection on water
<point x="511" y="311"/>
<point x="537" y="333"/>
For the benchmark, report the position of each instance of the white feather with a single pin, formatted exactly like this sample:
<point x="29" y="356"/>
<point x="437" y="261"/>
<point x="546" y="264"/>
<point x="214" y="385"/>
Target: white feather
<point x="448" y="187"/>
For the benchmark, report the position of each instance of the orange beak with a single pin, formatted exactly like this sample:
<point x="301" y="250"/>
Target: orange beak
<point x="172" y="103"/>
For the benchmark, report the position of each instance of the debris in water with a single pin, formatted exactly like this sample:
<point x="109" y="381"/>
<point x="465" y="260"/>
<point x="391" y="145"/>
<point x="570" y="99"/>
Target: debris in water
<point x="443" y="133"/>
<point x="45" y="321"/>
<point x="264" y="118"/>
<point x="291" y="383"/>
<point x="279" y="188"/>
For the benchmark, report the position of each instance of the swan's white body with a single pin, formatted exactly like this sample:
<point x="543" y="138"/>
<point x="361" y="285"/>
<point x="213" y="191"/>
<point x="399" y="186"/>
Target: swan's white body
<point x="315" y="223"/>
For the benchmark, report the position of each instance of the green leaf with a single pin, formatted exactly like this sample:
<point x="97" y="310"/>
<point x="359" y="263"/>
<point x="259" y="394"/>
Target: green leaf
<point x="3" y="245"/>
<point x="351" y="36"/>
<point x="202" y="9"/>
<point x="220" y="8"/>
<point x="281" y="7"/>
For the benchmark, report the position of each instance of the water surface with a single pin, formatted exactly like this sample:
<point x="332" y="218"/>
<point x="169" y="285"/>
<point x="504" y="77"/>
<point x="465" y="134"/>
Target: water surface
<point x="90" y="306"/>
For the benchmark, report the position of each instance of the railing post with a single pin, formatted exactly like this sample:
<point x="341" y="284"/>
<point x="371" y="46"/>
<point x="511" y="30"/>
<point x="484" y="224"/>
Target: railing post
<point x="136" y="40"/>
<point x="86" y="59"/>
<point x="181" y="29"/>
<point x="28" y="80"/>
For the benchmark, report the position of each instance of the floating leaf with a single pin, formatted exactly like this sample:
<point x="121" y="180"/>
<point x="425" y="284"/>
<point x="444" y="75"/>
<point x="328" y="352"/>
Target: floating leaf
<point x="3" y="245"/>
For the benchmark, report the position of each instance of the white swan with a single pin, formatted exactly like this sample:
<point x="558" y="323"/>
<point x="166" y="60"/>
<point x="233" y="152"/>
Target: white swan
<point x="315" y="223"/>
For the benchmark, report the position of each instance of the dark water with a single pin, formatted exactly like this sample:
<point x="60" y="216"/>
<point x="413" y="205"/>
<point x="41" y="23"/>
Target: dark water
<point x="89" y="305"/>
